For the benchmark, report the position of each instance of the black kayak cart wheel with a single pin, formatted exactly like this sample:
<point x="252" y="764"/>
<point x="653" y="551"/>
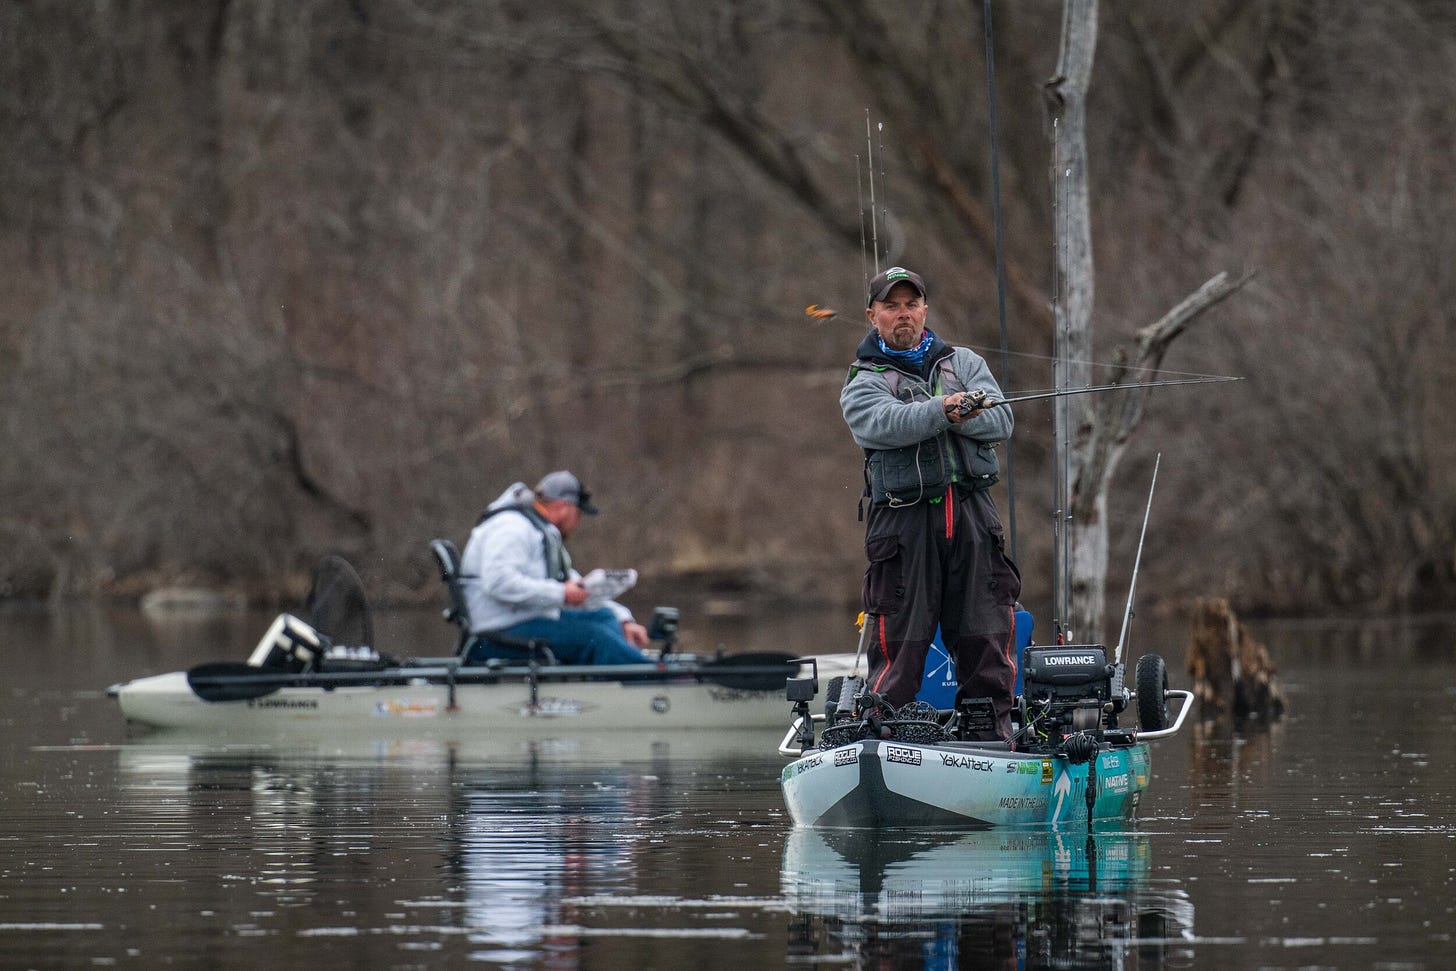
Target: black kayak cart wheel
<point x="1152" y="693"/>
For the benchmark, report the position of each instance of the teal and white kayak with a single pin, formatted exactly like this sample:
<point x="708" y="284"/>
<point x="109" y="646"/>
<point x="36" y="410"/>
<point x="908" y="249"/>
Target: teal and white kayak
<point x="873" y="783"/>
<point x="1068" y="761"/>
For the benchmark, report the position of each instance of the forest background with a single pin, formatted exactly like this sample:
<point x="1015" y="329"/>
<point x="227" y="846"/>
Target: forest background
<point x="292" y="277"/>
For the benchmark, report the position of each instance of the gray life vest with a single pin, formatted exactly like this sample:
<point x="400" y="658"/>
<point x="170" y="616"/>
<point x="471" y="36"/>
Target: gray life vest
<point x="558" y="561"/>
<point x="903" y="476"/>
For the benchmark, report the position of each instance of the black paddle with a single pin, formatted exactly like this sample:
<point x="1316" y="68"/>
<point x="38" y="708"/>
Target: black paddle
<point x="754" y="671"/>
<point x="233" y="681"/>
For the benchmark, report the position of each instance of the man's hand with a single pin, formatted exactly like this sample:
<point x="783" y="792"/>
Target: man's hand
<point x="576" y="593"/>
<point x="963" y="405"/>
<point x="635" y="633"/>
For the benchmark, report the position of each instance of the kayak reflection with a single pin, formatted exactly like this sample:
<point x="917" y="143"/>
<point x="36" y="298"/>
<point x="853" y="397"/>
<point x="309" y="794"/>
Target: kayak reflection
<point x="987" y="899"/>
<point x="440" y="848"/>
<point x="523" y="856"/>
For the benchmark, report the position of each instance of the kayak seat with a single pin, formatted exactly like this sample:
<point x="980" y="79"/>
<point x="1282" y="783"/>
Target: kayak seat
<point x="496" y="646"/>
<point x="447" y="558"/>
<point x="496" y="649"/>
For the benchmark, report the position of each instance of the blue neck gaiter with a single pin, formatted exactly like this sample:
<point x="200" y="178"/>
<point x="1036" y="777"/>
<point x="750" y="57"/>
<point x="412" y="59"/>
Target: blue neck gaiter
<point x="915" y="355"/>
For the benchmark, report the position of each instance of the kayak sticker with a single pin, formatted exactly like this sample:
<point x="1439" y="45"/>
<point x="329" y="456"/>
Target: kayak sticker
<point x="297" y="704"/>
<point x="1116" y="783"/>
<point x="739" y="695"/>
<point x="552" y="708"/>
<point x="1035" y="803"/>
<point x="1041" y="767"/>
<point x="965" y="761"/>
<point x="1067" y="792"/>
<point x="846" y="756"/>
<point x="803" y="765"/>
<point x="900" y="753"/>
<point x="406" y="709"/>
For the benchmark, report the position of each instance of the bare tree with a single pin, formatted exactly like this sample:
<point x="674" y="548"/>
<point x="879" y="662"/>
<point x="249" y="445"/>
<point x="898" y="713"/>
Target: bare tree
<point x="1102" y="429"/>
<point x="288" y="279"/>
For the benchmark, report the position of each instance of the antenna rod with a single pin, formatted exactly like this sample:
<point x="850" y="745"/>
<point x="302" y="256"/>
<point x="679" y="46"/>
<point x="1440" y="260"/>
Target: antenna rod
<point x="1137" y="563"/>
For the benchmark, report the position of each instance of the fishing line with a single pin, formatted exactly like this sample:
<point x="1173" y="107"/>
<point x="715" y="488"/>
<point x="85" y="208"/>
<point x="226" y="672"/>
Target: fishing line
<point x="1142" y="369"/>
<point x="817" y="312"/>
<point x="1033" y="394"/>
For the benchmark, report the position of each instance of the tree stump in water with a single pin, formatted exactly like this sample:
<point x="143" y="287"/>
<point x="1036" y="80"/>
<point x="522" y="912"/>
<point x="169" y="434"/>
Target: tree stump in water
<point x="1232" y="673"/>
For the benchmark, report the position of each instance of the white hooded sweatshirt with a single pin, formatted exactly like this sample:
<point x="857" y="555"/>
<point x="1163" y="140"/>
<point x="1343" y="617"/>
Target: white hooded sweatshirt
<point x="504" y="570"/>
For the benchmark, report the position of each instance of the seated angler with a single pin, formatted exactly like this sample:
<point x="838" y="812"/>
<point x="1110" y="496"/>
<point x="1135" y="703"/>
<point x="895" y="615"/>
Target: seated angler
<point x="519" y="582"/>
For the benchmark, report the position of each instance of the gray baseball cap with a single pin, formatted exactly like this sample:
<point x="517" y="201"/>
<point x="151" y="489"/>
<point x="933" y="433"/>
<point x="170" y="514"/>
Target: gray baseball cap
<point x="564" y="485"/>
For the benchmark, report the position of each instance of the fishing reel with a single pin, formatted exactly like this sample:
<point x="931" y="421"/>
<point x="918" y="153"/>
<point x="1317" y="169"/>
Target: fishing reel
<point x="971" y="401"/>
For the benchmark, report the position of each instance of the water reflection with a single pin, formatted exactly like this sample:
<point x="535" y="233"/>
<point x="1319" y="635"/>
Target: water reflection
<point x="525" y="854"/>
<point x="542" y="860"/>
<point x="1324" y="841"/>
<point x="992" y="899"/>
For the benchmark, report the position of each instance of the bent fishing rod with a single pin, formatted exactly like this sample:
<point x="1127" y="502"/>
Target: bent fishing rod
<point x="976" y="400"/>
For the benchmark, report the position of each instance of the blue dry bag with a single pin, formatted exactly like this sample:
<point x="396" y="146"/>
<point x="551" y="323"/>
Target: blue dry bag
<point x="938" y="684"/>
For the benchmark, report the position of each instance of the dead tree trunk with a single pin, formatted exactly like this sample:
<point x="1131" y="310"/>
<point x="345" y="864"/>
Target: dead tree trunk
<point x="1232" y="673"/>
<point x="1099" y="427"/>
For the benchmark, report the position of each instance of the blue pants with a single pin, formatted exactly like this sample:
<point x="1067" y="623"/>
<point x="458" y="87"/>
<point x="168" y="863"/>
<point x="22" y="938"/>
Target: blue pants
<point x="579" y="637"/>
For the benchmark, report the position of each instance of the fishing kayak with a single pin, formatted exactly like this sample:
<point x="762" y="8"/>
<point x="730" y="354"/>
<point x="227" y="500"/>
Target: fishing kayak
<point x="1068" y="760"/>
<point x="319" y="674"/>
<point x="681" y="694"/>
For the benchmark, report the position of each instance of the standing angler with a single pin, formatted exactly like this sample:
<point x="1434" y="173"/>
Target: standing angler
<point x="934" y="540"/>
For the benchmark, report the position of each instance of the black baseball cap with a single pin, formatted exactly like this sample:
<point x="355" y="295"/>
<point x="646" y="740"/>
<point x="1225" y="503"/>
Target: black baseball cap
<point x="882" y="284"/>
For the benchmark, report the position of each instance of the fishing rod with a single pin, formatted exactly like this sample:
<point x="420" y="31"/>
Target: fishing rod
<point x="823" y="314"/>
<point x="975" y="400"/>
<point x="864" y="249"/>
<point x="884" y="198"/>
<point x="874" y="224"/>
<point x="992" y="126"/>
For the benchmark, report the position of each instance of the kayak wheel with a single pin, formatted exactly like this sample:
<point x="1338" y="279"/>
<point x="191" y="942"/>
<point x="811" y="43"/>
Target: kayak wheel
<point x="1152" y="693"/>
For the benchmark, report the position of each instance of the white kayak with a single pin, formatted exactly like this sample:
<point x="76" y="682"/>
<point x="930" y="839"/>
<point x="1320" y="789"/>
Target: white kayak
<point x="682" y="693"/>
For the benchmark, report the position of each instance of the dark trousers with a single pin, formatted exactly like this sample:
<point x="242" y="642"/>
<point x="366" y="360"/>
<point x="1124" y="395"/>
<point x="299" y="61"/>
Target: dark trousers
<point x="941" y="562"/>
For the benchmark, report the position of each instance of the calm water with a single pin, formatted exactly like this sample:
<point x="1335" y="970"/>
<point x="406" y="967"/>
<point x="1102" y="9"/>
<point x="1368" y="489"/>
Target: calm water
<point x="1326" y="842"/>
